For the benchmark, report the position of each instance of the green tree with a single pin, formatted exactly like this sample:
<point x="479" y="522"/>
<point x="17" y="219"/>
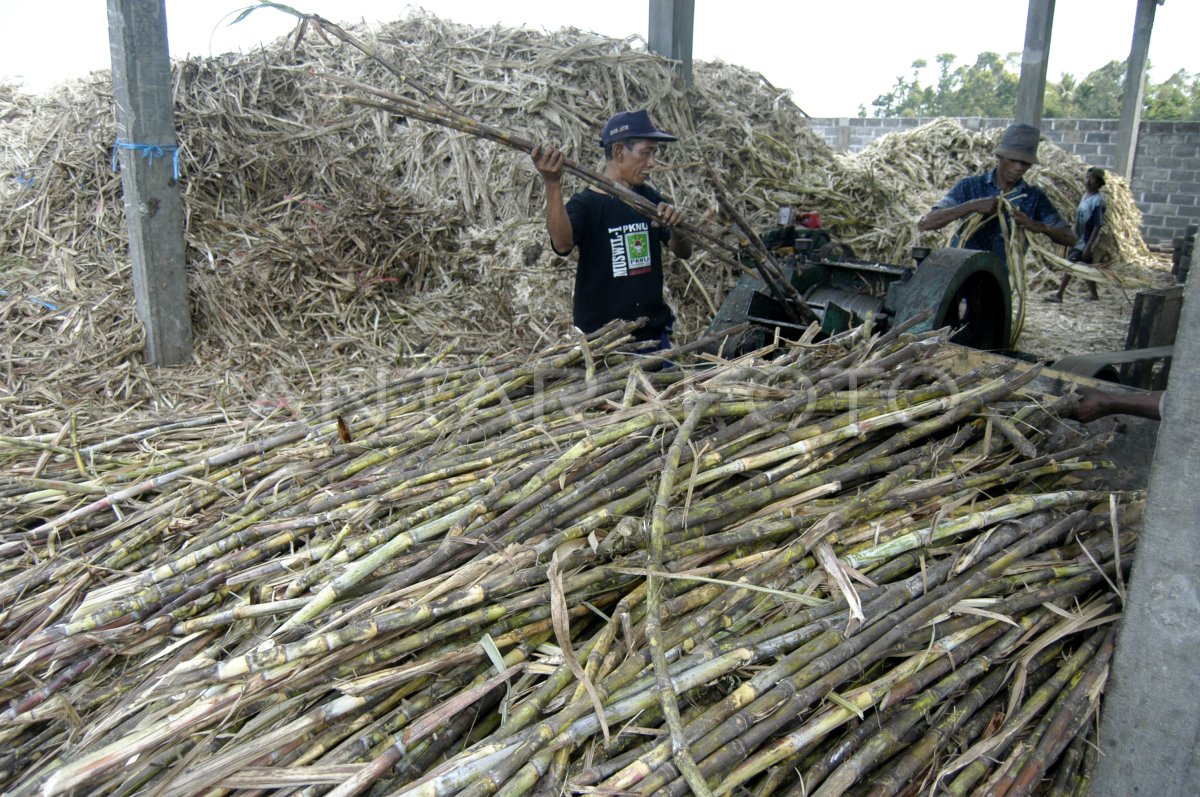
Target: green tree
<point x="1060" y="101"/>
<point x="1173" y="99"/>
<point x="907" y="97"/>
<point x="1099" y="94"/>
<point x="989" y="88"/>
<point x="986" y="88"/>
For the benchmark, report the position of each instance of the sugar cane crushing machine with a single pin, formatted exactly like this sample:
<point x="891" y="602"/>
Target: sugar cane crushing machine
<point x="964" y="289"/>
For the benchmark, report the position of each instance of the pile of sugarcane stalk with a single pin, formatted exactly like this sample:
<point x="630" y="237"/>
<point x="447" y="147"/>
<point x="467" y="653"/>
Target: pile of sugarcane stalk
<point x="326" y="237"/>
<point x="824" y="568"/>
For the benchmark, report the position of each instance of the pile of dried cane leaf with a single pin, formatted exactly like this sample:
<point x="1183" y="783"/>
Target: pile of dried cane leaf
<point x="329" y="245"/>
<point x="831" y="568"/>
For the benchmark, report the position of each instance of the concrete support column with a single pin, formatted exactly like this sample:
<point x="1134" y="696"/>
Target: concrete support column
<point x="1151" y="716"/>
<point x="1135" y="87"/>
<point x="1031" y="92"/>
<point x="671" y="32"/>
<point x="145" y="149"/>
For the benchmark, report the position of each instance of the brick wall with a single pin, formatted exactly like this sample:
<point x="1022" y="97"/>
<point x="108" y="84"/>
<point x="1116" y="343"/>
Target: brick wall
<point x="1166" y="167"/>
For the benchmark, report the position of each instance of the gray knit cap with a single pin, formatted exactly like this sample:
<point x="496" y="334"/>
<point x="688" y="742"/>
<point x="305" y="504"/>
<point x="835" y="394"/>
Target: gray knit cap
<point x="1019" y="143"/>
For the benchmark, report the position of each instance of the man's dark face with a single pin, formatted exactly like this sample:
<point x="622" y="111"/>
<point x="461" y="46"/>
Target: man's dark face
<point x="1009" y="172"/>
<point x="635" y="159"/>
<point x="1092" y="183"/>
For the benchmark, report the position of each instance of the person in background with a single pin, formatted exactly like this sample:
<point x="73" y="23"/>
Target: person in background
<point x="620" y="269"/>
<point x="1032" y="209"/>
<point x="1089" y="221"/>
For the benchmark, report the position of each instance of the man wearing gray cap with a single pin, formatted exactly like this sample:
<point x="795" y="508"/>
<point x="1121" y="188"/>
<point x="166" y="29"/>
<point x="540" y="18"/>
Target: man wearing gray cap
<point x="620" y="272"/>
<point x="1032" y="210"/>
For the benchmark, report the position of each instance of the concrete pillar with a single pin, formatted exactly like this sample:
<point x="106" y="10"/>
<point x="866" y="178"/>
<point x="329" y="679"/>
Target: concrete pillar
<point x="1135" y="86"/>
<point x="1151" y="716"/>
<point x="145" y="149"/>
<point x="671" y="32"/>
<point x="1031" y="92"/>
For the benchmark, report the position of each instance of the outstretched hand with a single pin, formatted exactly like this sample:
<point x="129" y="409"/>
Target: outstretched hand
<point x="1096" y="403"/>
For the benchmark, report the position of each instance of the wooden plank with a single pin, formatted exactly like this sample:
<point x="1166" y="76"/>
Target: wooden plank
<point x="146" y="149"/>
<point x="1153" y="323"/>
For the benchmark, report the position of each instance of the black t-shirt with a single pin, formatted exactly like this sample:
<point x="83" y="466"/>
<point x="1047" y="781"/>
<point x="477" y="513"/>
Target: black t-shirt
<point x="620" y="273"/>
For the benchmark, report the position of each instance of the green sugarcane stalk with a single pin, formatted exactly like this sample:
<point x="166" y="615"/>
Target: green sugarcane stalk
<point x="86" y="768"/>
<point x="299" y="432"/>
<point x="380" y="625"/>
<point x="400" y="534"/>
<point x="708" y="608"/>
<point x="422" y="728"/>
<point x="344" y="736"/>
<point x="1066" y="768"/>
<point x="534" y="739"/>
<point x="146" y="600"/>
<point x="444" y="659"/>
<point x="972" y="766"/>
<point x="593" y="652"/>
<point x="886" y="742"/>
<point x="1059" y="462"/>
<point x="422" y="526"/>
<point x="555" y="771"/>
<point x="842" y="475"/>
<point x="1008" y="509"/>
<point x="1068" y="714"/>
<point x="32" y="579"/>
<point x="610" y="481"/>
<point x="855" y="701"/>
<point x="418" y="696"/>
<point x="824" y="382"/>
<point x="769" y="641"/>
<point x="210" y="772"/>
<point x="1083" y="779"/>
<point x="629" y="669"/>
<point x="825" y="673"/>
<point x="748" y="694"/>
<point x="852" y="425"/>
<point x="653" y="630"/>
<point x="526" y="764"/>
<point x="393" y="103"/>
<point x="1013" y="435"/>
<point x="965" y="719"/>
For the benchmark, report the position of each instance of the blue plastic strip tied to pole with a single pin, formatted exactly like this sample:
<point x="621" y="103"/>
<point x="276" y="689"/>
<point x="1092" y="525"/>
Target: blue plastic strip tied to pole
<point x="149" y="152"/>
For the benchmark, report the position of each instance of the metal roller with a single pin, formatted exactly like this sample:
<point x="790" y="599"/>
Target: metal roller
<point x="964" y="289"/>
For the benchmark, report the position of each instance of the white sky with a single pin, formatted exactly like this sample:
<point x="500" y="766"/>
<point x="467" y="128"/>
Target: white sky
<point x="833" y="54"/>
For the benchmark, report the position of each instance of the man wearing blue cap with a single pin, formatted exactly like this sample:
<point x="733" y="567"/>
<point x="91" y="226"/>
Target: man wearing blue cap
<point x="1032" y="209"/>
<point x="620" y="273"/>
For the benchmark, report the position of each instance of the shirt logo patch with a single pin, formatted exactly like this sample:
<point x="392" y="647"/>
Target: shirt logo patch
<point x="637" y="244"/>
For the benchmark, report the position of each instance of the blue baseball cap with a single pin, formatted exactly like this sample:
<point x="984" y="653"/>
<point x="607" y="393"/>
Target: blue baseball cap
<point x="631" y="124"/>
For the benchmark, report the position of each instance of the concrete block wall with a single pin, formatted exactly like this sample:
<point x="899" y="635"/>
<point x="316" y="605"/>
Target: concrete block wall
<point x="1166" y="168"/>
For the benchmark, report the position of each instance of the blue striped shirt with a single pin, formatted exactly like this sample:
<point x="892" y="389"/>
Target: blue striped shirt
<point x="1028" y="199"/>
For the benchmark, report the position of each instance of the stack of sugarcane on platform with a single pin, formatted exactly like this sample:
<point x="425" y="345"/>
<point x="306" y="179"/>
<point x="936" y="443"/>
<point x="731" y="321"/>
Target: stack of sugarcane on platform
<point x="834" y="567"/>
